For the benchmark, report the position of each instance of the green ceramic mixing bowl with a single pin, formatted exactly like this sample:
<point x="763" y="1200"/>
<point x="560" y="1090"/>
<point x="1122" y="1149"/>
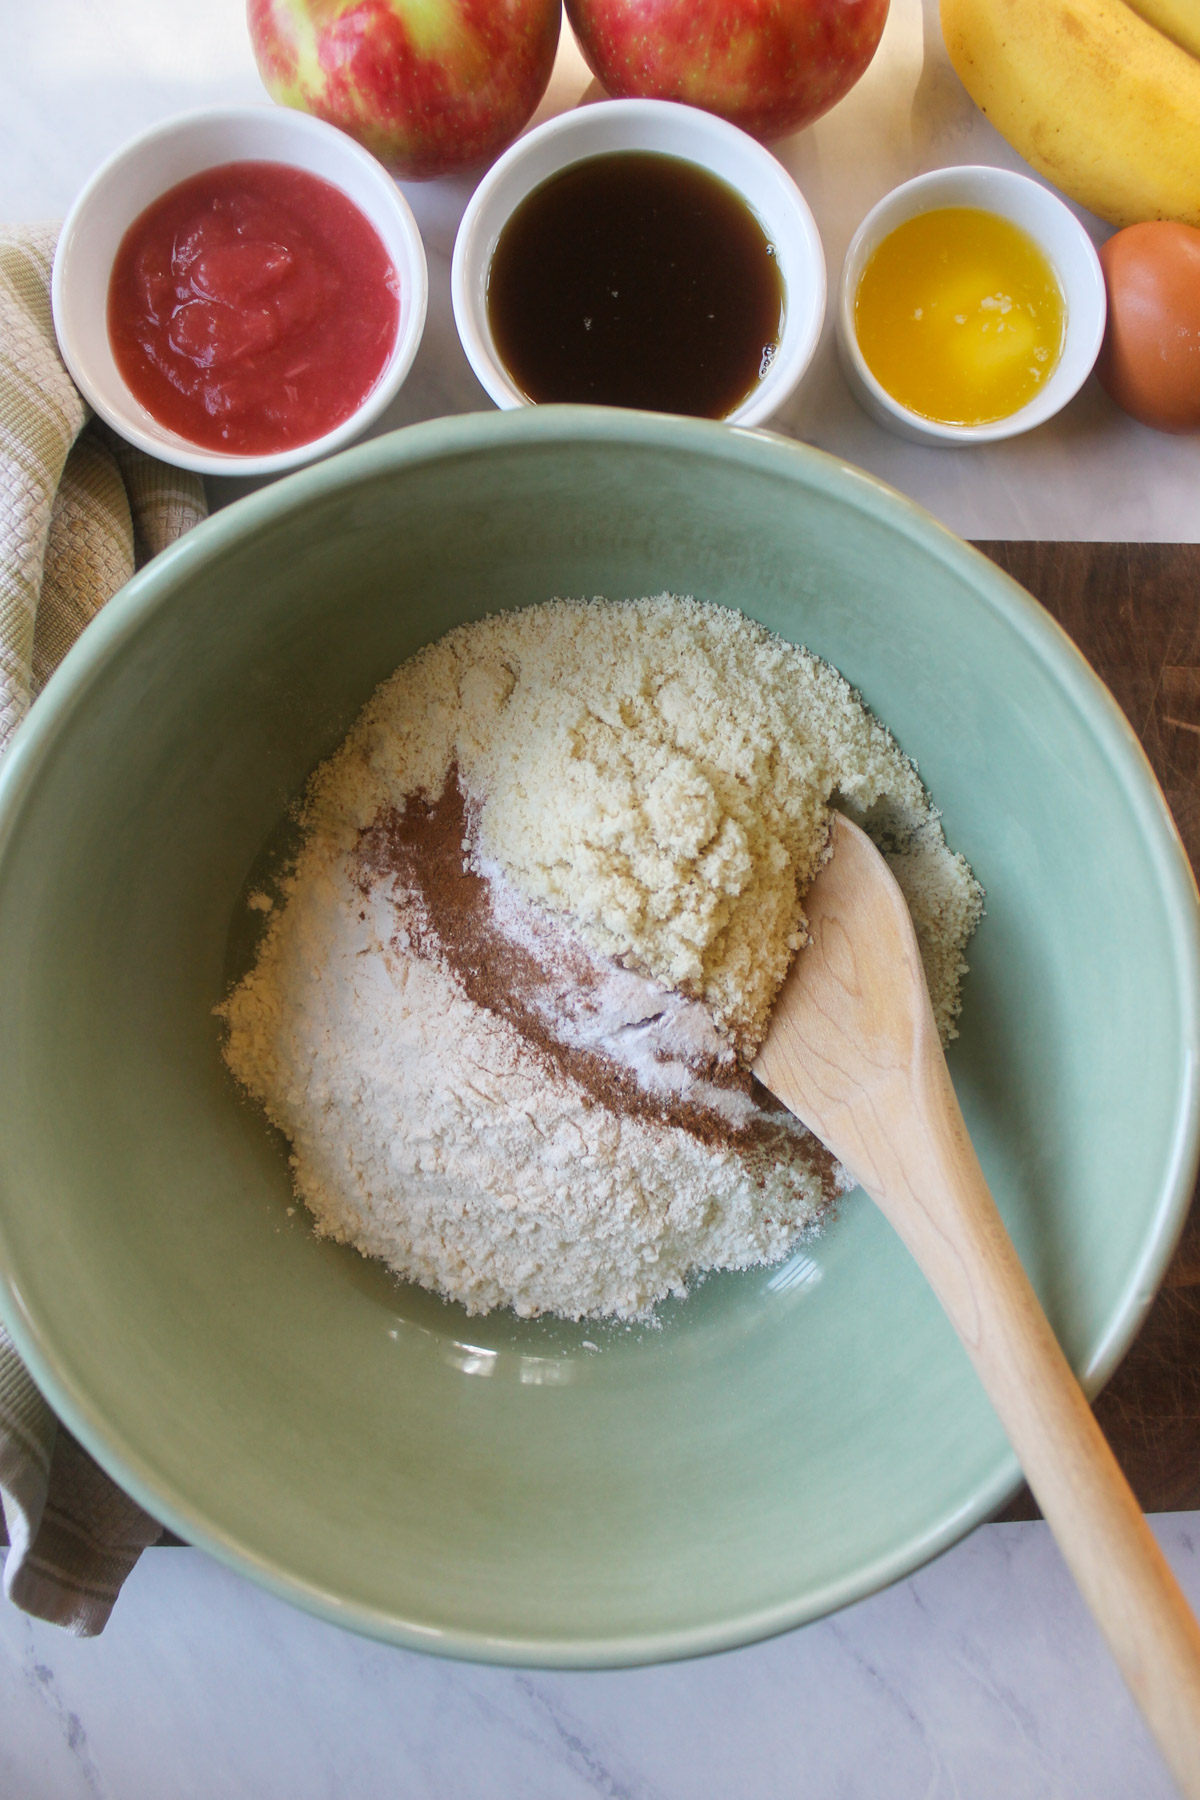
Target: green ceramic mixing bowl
<point x="787" y="1439"/>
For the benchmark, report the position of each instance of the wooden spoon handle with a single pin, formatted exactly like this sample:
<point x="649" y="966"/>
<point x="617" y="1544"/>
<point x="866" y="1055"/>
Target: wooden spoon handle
<point x="930" y="1185"/>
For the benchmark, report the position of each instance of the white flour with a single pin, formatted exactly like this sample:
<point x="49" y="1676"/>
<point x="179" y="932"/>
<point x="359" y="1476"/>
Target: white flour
<point x="516" y="1192"/>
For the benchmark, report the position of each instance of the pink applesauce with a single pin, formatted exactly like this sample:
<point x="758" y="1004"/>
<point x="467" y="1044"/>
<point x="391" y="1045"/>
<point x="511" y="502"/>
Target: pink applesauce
<point x="252" y="308"/>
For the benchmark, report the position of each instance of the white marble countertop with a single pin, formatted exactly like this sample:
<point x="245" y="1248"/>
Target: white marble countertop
<point x="981" y="1676"/>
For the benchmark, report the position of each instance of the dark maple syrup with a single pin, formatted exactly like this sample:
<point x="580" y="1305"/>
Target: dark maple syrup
<point x="636" y="279"/>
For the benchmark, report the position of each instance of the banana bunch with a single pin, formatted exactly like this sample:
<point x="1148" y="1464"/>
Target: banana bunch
<point x="1102" y="97"/>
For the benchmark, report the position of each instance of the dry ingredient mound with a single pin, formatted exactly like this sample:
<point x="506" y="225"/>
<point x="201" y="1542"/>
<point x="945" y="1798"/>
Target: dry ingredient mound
<point x="548" y="889"/>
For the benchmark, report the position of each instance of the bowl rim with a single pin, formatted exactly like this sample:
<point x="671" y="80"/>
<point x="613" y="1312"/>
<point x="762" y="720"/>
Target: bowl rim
<point x="689" y="122"/>
<point x="292" y="127"/>
<point x="919" y="195"/>
<point x="464" y="435"/>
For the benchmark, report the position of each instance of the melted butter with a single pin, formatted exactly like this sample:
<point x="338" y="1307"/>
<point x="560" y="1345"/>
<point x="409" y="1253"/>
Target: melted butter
<point x="960" y="316"/>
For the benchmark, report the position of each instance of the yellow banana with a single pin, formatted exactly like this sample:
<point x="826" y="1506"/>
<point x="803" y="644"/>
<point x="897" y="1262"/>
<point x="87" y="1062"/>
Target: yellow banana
<point x="1099" y="101"/>
<point x="1177" y="19"/>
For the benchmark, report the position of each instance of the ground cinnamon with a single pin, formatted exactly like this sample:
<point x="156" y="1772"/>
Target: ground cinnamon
<point x="425" y="851"/>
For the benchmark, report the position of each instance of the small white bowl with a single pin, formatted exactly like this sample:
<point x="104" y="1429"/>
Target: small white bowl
<point x="1062" y="239"/>
<point x="672" y="130"/>
<point x="158" y="160"/>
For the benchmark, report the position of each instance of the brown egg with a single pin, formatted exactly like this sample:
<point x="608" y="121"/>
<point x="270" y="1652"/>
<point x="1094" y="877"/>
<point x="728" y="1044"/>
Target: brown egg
<point x="1150" y="359"/>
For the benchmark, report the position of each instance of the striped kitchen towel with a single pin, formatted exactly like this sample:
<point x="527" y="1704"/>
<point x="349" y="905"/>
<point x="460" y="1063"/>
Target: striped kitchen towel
<point x="79" y="511"/>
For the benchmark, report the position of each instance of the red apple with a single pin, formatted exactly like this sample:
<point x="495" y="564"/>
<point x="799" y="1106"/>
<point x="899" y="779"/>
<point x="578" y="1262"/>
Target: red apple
<point x="426" y="85"/>
<point x="770" y="66"/>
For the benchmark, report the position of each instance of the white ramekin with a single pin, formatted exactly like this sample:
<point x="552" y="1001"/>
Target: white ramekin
<point x="1066" y="245"/>
<point x="156" y="161"/>
<point x="671" y="130"/>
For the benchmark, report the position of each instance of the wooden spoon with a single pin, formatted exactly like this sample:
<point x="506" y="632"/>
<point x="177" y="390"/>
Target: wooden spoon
<point x="853" y="1051"/>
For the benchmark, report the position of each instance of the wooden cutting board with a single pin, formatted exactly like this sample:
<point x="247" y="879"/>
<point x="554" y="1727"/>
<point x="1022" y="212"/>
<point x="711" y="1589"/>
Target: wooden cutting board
<point x="1134" y="611"/>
